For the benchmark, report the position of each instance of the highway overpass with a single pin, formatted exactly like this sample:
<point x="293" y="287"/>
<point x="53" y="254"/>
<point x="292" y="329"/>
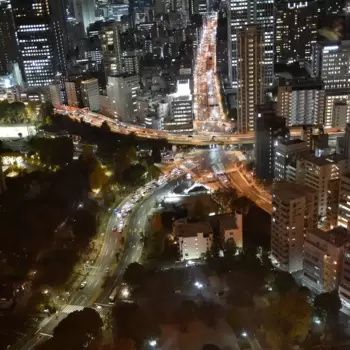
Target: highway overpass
<point x="200" y="139"/>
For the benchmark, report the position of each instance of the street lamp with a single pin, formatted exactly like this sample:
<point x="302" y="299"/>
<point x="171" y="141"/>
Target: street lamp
<point x="198" y="285"/>
<point x="152" y="342"/>
<point x="244" y="334"/>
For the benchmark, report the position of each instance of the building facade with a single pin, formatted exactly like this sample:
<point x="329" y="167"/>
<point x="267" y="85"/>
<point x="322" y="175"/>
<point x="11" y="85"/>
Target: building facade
<point x="250" y="75"/>
<point x="294" y="212"/>
<point x="296" y="30"/>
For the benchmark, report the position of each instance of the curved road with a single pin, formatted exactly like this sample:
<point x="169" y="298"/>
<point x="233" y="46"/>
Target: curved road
<point x="97" y="290"/>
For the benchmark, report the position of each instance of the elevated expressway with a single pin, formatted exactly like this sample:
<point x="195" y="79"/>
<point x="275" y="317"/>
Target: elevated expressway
<point x="199" y="139"/>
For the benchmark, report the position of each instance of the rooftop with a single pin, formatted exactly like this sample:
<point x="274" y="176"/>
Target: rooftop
<point x="325" y="160"/>
<point x="338" y="236"/>
<point x="186" y="228"/>
<point x="288" y="191"/>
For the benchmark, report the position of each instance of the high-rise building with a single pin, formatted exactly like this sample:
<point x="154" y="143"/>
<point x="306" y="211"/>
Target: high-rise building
<point x="269" y="128"/>
<point x="84" y="12"/>
<point x="301" y="101"/>
<point x="111" y="49"/>
<point x="250" y="75"/>
<point x="294" y="213"/>
<point x="344" y="203"/>
<point x="122" y="91"/>
<point x="296" y="30"/>
<point x="246" y="12"/>
<point x="317" y="174"/>
<point x="286" y="152"/>
<point x="323" y="257"/>
<point x="40" y="30"/>
<point x="8" y="45"/>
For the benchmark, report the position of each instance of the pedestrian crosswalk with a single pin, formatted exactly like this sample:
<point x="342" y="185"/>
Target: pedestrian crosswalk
<point x="71" y="308"/>
<point x="102" y="309"/>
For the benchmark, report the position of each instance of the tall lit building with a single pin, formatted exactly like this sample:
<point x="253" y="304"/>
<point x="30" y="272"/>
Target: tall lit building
<point x="331" y="63"/>
<point x="111" y="49"/>
<point x="181" y="109"/>
<point x="294" y="213"/>
<point x="40" y="30"/>
<point x="246" y="12"/>
<point x="250" y="75"/>
<point x="84" y="12"/>
<point x="8" y="46"/>
<point x="286" y="152"/>
<point x="301" y="101"/>
<point x="296" y="29"/>
<point x="269" y="128"/>
<point x="323" y="257"/>
<point x="344" y="287"/>
<point x="122" y="91"/>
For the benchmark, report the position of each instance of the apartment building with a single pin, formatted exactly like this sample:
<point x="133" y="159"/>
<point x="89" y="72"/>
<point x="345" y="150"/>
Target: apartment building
<point x="195" y="238"/>
<point x="294" y="212"/>
<point x="323" y="257"/>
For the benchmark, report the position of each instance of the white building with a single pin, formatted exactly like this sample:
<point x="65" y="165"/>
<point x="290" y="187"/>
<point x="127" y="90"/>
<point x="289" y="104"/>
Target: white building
<point x="231" y="227"/>
<point x="122" y="91"/>
<point x="55" y="94"/>
<point x="246" y="12"/>
<point x="294" y="211"/>
<point x="323" y="256"/>
<point x="181" y="109"/>
<point x="250" y="76"/>
<point x="344" y="201"/>
<point x="337" y="109"/>
<point x="301" y="101"/>
<point x="195" y="238"/>
<point x="84" y="12"/>
<point x="90" y="94"/>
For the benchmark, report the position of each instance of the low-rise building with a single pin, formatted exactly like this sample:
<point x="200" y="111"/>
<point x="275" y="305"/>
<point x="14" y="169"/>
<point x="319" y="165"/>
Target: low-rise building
<point x="194" y="237"/>
<point x="322" y="260"/>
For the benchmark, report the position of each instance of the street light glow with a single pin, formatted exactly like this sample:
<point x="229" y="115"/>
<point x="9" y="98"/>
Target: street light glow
<point x="152" y="342"/>
<point x="198" y="285"/>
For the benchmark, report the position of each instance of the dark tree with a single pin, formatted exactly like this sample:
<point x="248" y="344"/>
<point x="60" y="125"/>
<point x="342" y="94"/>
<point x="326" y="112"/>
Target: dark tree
<point x="134" y="274"/>
<point x="79" y="330"/>
<point x="328" y="305"/>
<point x="284" y="282"/>
<point x="157" y="158"/>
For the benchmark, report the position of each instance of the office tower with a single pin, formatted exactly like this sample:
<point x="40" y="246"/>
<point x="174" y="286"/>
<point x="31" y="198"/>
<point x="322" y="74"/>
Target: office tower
<point x="286" y="152"/>
<point x="296" y="30"/>
<point x="268" y="129"/>
<point x="40" y="30"/>
<point x="111" y="49"/>
<point x="246" y="12"/>
<point x="301" y="101"/>
<point x="323" y="257"/>
<point x="307" y="132"/>
<point x="8" y="45"/>
<point x="181" y="109"/>
<point x="84" y="12"/>
<point x="90" y="94"/>
<point x="335" y="7"/>
<point x="250" y="76"/>
<point x="294" y="213"/>
<point x="331" y="63"/>
<point x="122" y="91"/>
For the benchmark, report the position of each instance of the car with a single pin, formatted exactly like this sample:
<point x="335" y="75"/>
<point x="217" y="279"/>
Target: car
<point x="114" y="229"/>
<point x="83" y="284"/>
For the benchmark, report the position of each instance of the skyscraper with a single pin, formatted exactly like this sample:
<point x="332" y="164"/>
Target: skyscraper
<point x="245" y="12"/>
<point x="296" y="29"/>
<point x="250" y="75"/>
<point x="268" y="129"/>
<point x="111" y="49"/>
<point x="8" y="45"/>
<point x="40" y="29"/>
<point x="84" y="12"/>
